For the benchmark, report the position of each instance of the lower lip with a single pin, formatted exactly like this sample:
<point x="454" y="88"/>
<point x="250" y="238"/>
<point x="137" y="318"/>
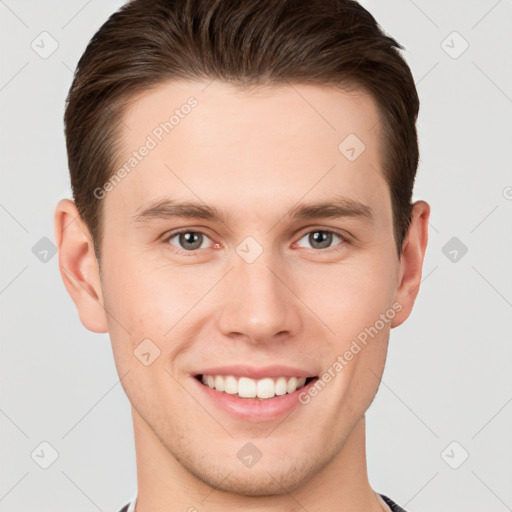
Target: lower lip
<point x="254" y="409"/>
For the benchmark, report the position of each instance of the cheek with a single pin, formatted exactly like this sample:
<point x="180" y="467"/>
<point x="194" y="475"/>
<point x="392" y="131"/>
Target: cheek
<point x="146" y="300"/>
<point x="141" y="295"/>
<point x="143" y="306"/>
<point x="358" y="308"/>
<point x="350" y="296"/>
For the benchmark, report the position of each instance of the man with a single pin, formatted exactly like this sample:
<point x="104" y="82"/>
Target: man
<point x="277" y="139"/>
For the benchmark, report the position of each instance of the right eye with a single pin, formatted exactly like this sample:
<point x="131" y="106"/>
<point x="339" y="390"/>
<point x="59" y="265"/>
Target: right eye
<point x="188" y="240"/>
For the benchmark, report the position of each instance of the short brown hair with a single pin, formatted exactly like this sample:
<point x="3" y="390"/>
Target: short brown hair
<point x="246" y="43"/>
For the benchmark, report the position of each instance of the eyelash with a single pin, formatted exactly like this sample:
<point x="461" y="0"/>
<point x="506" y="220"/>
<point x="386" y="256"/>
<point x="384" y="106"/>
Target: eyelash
<point x="194" y="252"/>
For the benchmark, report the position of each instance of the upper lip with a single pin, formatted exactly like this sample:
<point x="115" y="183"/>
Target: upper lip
<point x="256" y="373"/>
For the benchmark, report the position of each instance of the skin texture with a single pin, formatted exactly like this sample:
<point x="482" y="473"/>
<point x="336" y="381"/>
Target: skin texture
<point x="254" y="155"/>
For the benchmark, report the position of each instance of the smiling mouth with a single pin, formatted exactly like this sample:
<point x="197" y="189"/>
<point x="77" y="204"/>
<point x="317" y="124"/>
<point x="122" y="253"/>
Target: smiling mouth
<point x="245" y="387"/>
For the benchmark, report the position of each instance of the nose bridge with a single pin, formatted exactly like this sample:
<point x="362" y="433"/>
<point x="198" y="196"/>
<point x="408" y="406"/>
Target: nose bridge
<point x="256" y="302"/>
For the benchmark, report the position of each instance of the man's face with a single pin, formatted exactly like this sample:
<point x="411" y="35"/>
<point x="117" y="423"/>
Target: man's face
<point x="261" y="286"/>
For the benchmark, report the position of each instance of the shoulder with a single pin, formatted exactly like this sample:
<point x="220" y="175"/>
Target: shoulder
<point x="392" y="505"/>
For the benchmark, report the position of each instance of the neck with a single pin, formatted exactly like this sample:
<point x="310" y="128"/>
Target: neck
<point x="165" y="485"/>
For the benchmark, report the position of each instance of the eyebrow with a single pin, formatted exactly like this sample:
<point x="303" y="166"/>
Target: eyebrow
<point x="164" y="209"/>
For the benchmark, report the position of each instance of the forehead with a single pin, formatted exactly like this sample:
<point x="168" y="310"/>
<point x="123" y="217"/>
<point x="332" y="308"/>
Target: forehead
<point x="250" y="148"/>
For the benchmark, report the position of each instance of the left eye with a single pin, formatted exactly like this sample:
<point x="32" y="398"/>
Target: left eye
<point x="189" y="240"/>
<point x="321" y="239"/>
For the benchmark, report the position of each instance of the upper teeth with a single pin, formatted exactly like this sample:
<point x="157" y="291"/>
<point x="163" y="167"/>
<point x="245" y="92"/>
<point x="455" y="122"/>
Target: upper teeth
<point x="250" y="388"/>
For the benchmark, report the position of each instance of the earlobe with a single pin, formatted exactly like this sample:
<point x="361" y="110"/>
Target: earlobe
<point x="78" y="266"/>
<point x="411" y="261"/>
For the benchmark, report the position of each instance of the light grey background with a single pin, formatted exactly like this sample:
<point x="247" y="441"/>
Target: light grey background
<point x="448" y="376"/>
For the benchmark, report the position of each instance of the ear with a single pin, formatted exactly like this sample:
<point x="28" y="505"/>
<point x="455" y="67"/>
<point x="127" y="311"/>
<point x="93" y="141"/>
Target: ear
<point x="411" y="261"/>
<point x="78" y="266"/>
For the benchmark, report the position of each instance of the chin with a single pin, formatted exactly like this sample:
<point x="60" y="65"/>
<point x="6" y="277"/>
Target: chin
<point x="252" y="482"/>
<point x="263" y="479"/>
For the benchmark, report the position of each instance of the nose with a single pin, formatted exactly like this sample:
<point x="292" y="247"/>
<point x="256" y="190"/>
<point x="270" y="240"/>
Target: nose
<point x="258" y="303"/>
